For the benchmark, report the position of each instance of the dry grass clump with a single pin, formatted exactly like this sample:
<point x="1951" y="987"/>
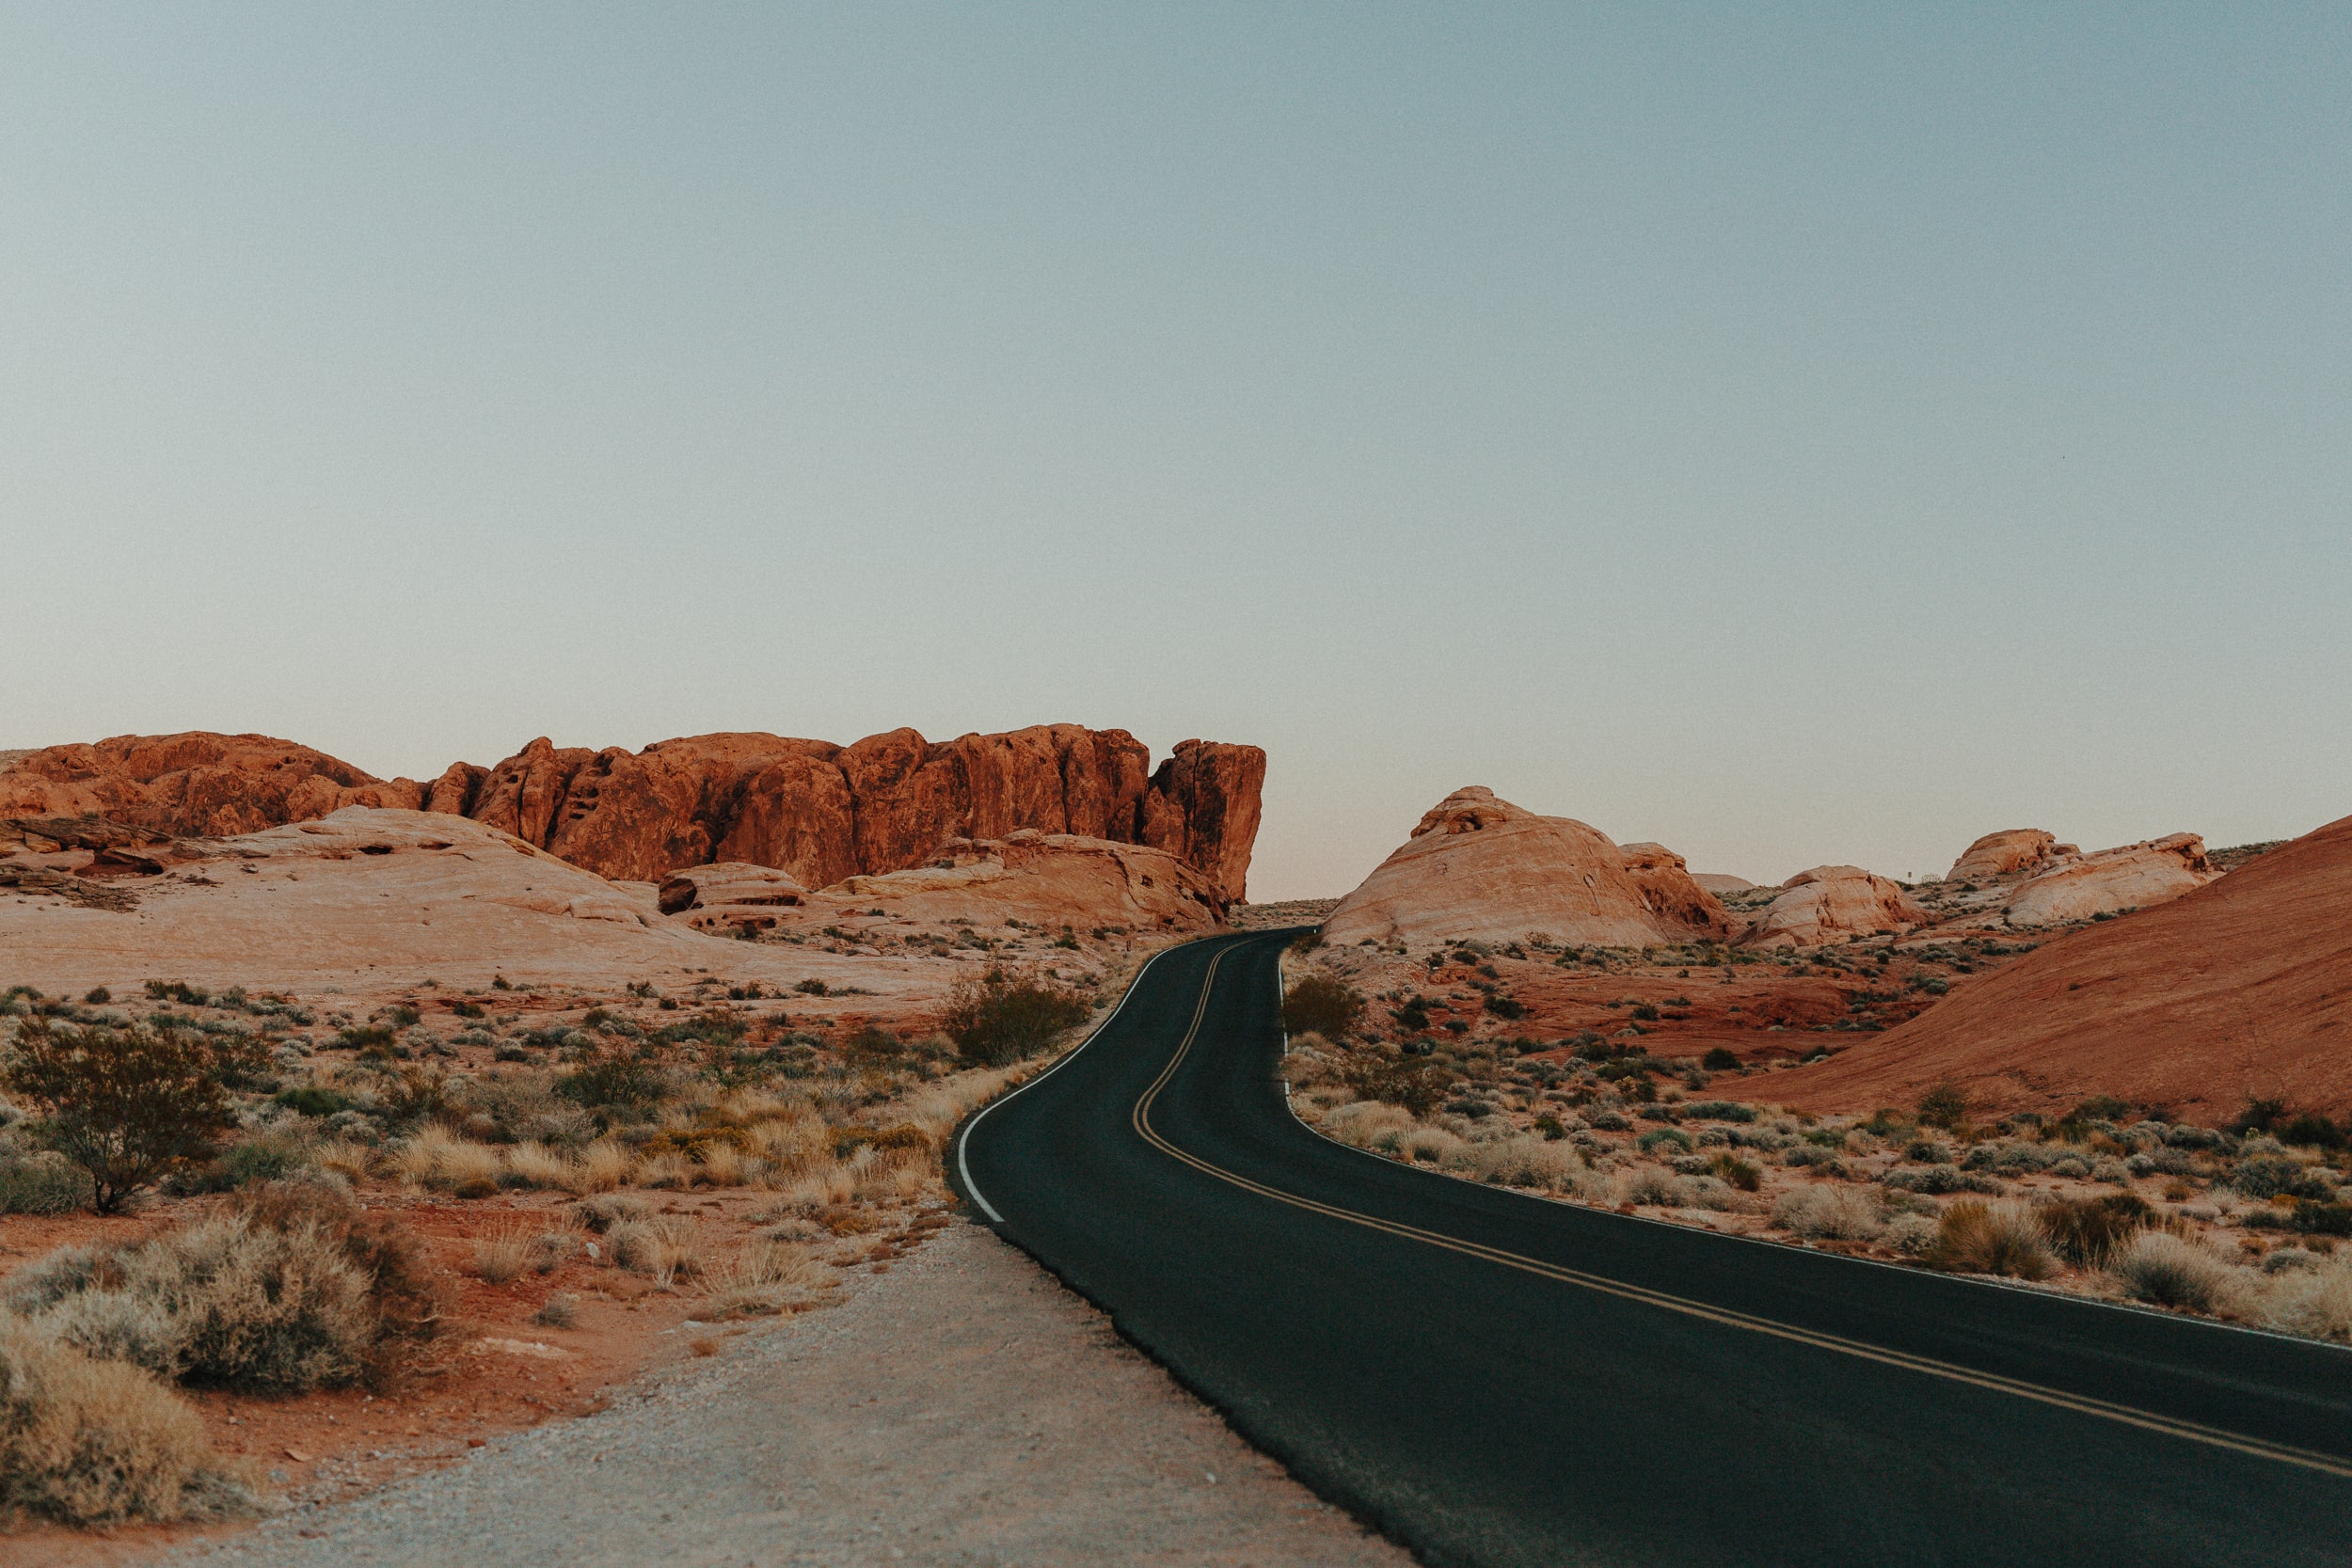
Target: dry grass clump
<point x="1526" y="1160"/>
<point x="601" y="1213"/>
<point x="291" y="1289"/>
<point x="503" y="1252"/>
<point x="1990" y="1238"/>
<point x="433" y="1156"/>
<point x="87" y="1441"/>
<point x="1828" y="1214"/>
<point x="2316" y="1301"/>
<point x="2165" y="1270"/>
<point x="534" y="1164"/>
<point x="602" y="1168"/>
<point x="560" y="1310"/>
<point x="664" y="1246"/>
<point x="765" y="1278"/>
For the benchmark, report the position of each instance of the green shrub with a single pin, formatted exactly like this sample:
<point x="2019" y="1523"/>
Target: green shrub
<point x="2311" y="1130"/>
<point x="1719" y="1109"/>
<point x="1720" y="1059"/>
<point x="615" y="1077"/>
<point x="1659" y="1137"/>
<point x="1006" y="1015"/>
<point x="1324" y="1005"/>
<point x="128" y="1105"/>
<point x="2321" y="1219"/>
<point x="1735" y="1171"/>
<point x="312" y="1100"/>
<point x="1945" y="1105"/>
<point x="1505" y="1006"/>
<point x="47" y="1183"/>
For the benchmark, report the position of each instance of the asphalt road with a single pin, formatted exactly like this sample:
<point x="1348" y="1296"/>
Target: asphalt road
<point x="1493" y="1378"/>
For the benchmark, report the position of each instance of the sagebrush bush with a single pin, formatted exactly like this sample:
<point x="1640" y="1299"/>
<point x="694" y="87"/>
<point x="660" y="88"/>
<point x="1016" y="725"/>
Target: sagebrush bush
<point x="2163" y="1269"/>
<point x="93" y="1442"/>
<point x="1322" y="1005"/>
<point x="47" y="1183"/>
<point x="2085" y="1230"/>
<point x="1990" y="1238"/>
<point x="292" y="1289"/>
<point x="2314" y="1298"/>
<point x="128" y="1105"/>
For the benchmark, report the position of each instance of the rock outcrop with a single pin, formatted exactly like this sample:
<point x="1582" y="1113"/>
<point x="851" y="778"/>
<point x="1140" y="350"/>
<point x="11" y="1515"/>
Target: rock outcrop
<point x="818" y="811"/>
<point x="1832" y="903"/>
<point x="1482" y="868"/>
<point x="1042" y="879"/>
<point x="195" y="783"/>
<point x="1718" y="883"/>
<point x="2010" y="852"/>
<point x="2241" y="988"/>
<point x="2108" y="881"/>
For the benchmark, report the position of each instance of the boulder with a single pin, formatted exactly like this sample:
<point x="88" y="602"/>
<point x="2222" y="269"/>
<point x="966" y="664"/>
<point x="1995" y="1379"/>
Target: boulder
<point x="728" y="884"/>
<point x="2010" y="852"/>
<point x="1832" y="903"/>
<point x="1670" y="890"/>
<point x="2131" y="876"/>
<point x="1478" y="868"/>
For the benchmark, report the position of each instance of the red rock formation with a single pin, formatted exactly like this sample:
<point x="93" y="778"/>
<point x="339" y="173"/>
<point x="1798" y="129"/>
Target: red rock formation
<point x="195" y="784"/>
<point x="1670" y="890"/>
<point x="2007" y="853"/>
<point x="818" y="811"/>
<point x="2108" y="881"/>
<point x="1833" y="903"/>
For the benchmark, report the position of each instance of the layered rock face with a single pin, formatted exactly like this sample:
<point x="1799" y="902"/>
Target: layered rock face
<point x="195" y="784"/>
<point x="2132" y="876"/>
<point x="2242" y="987"/>
<point x="816" y="810"/>
<point x="1047" y="880"/>
<point x="1478" y="868"/>
<point x="2007" y="853"/>
<point x="1831" y="903"/>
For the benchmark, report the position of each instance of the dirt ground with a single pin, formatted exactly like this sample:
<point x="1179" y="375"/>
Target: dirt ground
<point x="960" y="1407"/>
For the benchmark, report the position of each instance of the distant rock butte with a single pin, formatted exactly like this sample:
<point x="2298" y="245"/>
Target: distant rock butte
<point x="2132" y="876"/>
<point x="2008" y="853"/>
<point x="1831" y="903"/>
<point x="1480" y="868"/>
<point x="818" y="811"/>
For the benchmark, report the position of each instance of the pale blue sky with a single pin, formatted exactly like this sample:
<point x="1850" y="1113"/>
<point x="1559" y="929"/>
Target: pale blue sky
<point x="1793" y="434"/>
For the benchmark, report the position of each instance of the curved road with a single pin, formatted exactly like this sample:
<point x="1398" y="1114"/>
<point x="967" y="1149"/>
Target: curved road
<point x="1496" y="1379"/>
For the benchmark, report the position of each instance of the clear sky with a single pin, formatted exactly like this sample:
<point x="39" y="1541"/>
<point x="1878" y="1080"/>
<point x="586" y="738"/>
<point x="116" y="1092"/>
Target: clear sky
<point x="1791" y="434"/>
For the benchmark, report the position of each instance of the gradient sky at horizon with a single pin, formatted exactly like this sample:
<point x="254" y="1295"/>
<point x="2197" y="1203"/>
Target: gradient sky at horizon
<point x="1793" y="434"/>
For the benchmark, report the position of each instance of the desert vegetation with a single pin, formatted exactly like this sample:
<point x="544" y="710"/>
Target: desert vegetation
<point x="2242" y="1222"/>
<point x="275" y="1150"/>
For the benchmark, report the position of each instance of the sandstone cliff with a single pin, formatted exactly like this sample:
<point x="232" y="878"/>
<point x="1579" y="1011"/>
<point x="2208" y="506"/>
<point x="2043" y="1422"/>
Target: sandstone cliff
<point x="816" y="810"/>
<point x="2108" y="881"/>
<point x="1480" y="868"/>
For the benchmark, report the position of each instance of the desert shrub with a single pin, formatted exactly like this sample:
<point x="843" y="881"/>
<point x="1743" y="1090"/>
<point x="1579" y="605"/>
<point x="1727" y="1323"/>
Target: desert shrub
<point x="1912" y="1234"/>
<point x="1658" y="1137"/>
<point x="2312" y="1296"/>
<point x="1719" y="1109"/>
<point x="46" y="1184"/>
<point x="501" y="1253"/>
<point x="1997" y="1238"/>
<point x="2311" y="1130"/>
<point x="1524" y="1161"/>
<point x="1322" y="1005"/>
<point x="291" y="1288"/>
<point x="1927" y="1151"/>
<point x="662" y="1246"/>
<point x="2264" y="1176"/>
<point x="93" y="1442"/>
<point x="1728" y="1167"/>
<point x="1720" y="1059"/>
<point x="2163" y="1269"/>
<point x="1939" y="1179"/>
<point x="603" y="1212"/>
<point x="2085" y="1230"/>
<point x="1945" y="1105"/>
<point x="1416" y="1086"/>
<point x="1006" y="1015"/>
<point x="312" y="1100"/>
<point x="433" y="1156"/>
<point x="616" y="1076"/>
<point x="560" y="1310"/>
<point x="2320" y="1219"/>
<point x="1818" y="1214"/>
<point x="873" y="1046"/>
<point x="127" y="1105"/>
<point x="1648" y="1184"/>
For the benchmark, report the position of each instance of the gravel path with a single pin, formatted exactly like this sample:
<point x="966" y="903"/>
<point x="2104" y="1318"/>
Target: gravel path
<point x="962" y="1408"/>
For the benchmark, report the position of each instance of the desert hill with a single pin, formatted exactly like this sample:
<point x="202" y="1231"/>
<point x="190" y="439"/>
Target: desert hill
<point x="2240" y="987"/>
<point x="818" y="811"/>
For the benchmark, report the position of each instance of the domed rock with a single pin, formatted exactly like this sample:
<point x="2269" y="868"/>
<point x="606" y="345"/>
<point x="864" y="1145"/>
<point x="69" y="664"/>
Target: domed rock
<point x="2131" y="876"/>
<point x="2008" y="853"/>
<point x="1479" y="867"/>
<point x="194" y="783"/>
<point x="1831" y="903"/>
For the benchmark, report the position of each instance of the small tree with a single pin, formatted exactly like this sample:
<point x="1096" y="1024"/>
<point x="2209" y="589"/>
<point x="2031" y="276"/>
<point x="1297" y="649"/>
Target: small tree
<point x="128" y="1105"/>
<point x="1005" y="1014"/>
<point x="1323" y="1005"/>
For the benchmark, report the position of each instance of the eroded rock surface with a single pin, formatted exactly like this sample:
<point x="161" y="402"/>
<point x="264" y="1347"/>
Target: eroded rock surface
<point x="1831" y="903"/>
<point x="195" y="783"/>
<point x="1479" y="867"/>
<point x="2010" y="852"/>
<point x="2107" y="881"/>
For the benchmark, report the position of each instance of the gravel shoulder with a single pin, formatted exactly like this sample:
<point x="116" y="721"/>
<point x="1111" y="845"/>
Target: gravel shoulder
<point x="961" y="1408"/>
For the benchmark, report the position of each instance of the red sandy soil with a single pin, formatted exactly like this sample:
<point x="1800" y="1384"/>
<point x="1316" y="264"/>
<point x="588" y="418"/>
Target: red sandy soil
<point x="497" y="1372"/>
<point x="2241" y="988"/>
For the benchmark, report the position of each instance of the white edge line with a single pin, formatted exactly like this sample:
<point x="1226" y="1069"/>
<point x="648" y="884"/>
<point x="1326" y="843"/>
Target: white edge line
<point x="964" y="1143"/>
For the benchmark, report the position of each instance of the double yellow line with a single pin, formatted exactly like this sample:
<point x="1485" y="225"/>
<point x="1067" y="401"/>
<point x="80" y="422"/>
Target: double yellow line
<point x="2105" y="1410"/>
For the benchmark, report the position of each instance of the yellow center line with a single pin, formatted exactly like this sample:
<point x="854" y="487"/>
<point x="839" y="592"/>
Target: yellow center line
<point x="2106" y="1410"/>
